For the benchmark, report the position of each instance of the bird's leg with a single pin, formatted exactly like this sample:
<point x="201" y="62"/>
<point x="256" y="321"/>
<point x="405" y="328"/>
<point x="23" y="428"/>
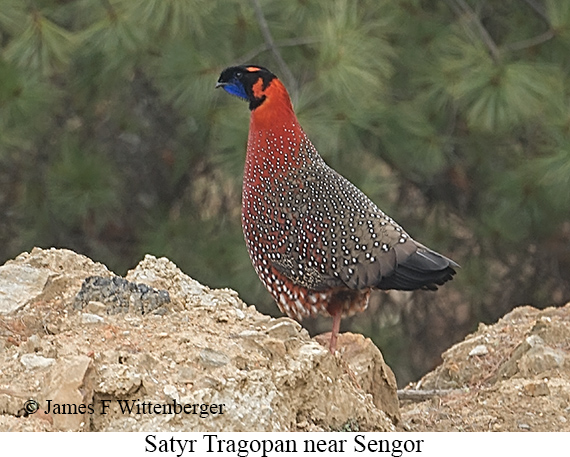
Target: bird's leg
<point x="335" y="329"/>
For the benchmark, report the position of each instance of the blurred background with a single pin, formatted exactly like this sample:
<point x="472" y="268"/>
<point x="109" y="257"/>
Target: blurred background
<point x="453" y="116"/>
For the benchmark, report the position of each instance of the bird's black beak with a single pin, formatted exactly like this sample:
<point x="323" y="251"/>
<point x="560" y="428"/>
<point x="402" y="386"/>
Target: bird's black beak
<point x="221" y="84"/>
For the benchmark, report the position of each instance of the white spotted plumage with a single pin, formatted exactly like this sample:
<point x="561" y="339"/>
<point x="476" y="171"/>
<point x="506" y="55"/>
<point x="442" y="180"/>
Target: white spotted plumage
<point x="316" y="241"/>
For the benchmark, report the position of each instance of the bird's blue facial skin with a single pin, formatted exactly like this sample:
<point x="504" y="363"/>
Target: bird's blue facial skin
<point x="236" y="88"/>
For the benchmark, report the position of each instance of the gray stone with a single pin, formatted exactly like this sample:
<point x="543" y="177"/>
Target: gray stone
<point x="33" y="361"/>
<point x="480" y="349"/>
<point x="212" y="358"/>
<point x="87" y="318"/>
<point x="19" y="284"/>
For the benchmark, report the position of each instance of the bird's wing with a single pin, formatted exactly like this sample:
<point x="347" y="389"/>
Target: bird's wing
<point x="333" y="235"/>
<point x="361" y="245"/>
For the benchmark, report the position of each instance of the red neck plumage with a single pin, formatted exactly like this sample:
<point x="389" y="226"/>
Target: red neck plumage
<point x="275" y="110"/>
<point x="274" y="133"/>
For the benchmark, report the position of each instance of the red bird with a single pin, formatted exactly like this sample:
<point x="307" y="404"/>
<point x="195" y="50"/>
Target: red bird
<point x="318" y="244"/>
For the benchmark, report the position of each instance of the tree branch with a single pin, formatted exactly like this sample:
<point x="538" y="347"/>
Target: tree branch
<point x="464" y="8"/>
<point x="517" y="46"/>
<point x="460" y="7"/>
<point x="280" y="44"/>
<point x="270" y="43"/>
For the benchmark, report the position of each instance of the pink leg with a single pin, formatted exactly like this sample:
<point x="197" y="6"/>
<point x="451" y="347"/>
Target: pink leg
<point x="335" y="329"/>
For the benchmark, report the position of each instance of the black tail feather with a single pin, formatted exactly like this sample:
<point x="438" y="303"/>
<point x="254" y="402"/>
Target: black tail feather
<point x="424" y="269"/>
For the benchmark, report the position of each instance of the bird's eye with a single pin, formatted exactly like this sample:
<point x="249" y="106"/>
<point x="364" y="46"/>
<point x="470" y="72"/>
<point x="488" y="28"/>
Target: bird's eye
<point x="239" y="74"/>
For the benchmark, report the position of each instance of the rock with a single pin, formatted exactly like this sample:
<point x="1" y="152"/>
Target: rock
<point x="284" y="328"/>
<point x="249" y="371"/>
<point x="19" y="284"/>
<point x="69" y="385"/>
<point x="211" y="358"/>
<point x="537" y="389"/>
<point x="118" y="380"/>
<point x="480" y="349"/>
<point x="209" y="351"/>
<point x="44" y="275"/>
<point x="367" y="364"/>
<point x="33" y="344"/>
<point x="163" y="274"/>
<point x="119" y="295"/>
<point x="33" y="361"/>
<point x="95" y="307"/>
<point x="525" y="374"/>
<point x="171" y="393"/>
<point x="87" y="318"/>
<point x="539" y="359"/>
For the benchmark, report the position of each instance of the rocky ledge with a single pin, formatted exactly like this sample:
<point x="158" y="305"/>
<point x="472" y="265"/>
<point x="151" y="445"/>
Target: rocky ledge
<point x="83" y="349"/>
<point x="159" y="351"/>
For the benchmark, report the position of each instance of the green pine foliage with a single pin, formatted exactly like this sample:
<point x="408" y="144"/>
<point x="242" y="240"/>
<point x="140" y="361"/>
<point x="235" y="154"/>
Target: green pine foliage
<point x="453" y="116"/>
